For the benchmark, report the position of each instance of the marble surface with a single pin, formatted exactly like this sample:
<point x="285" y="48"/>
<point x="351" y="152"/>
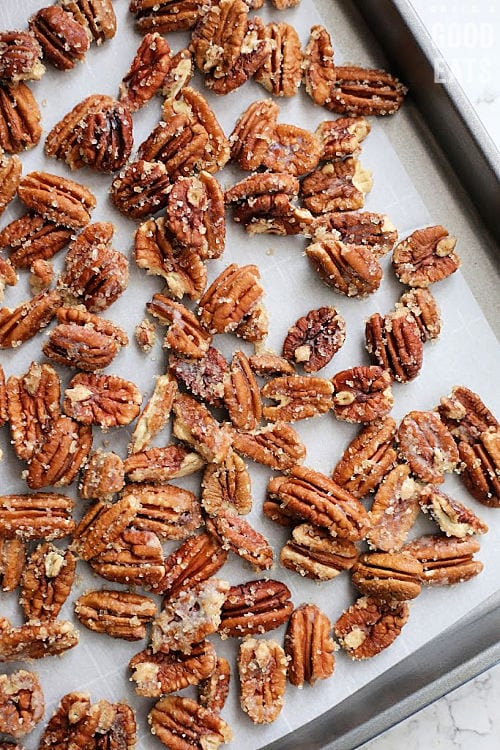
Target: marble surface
<point x="467" y="34"/>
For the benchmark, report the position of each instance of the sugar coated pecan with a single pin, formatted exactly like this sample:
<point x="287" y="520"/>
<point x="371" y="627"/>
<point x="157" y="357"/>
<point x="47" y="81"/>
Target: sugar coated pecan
<point x="231" y="296"/>
<point x="12" y="559"/>
<point x="314" y="553"/>
<point x="158" y="674"/>
<point x="254" y="326"/>
<point x="194" y="424"/>
<point x="161" y="464"/>
<point x="27" y="319"/>
<point x="46" y="582"/>
<point x="134" y="558"/>
<point x="276" y="445"/>
<point x="119" y="614"/>
<point x="319" y="69"/>
<point x="267" y="364"/>
<point x="480" y="467"/>
<point x="147" y="71"/>
<point x="261" y="184"/>
<point x="31" y="237"/>
<point x="203" y="377"/>
<point x="178" y="143"/>
<point x="272" y="214"/>
<point x="174" y="718"/>
<point x="180" y="74"/>
<point x="102" y="525"/>
<point x="40" y="515"/>
<point x="255" y="607"/>
<point x="309" y="646"/>
<point x="362" y="394"/>
<point x="336" y="186"/>
<point x="104" y="400"/>
<point x="8" y="276"/>
<point x="56" y="198"/>
<point x="20" y="117"/>
<point x="63" y="141"/>
<point x="41" y="276"/>
<point x="63" y="40"/>
<point x="394" y="342"/>
<point x="20" y="56"/>
<point x="426" y="256"/>
<point x="194" y="561"/>
<point x="362" y="91"/>
<point x="352" y="270"/>
<point x="35" y="640"/>
<point x="10" y="177"/>
<point x="292" y="150"/>
<point x="241" y="394"/>
<point x="70" y="722"/>
<point x="185" y="335"/>
<point x="145" y="335"/>
<point x="214" y="689"/>
<point x="394" y="510"/>
<point x="140" y="189"/>
<point x="388" y="575"/>
<point x="358" y="228"/>
<point x="105" y="139"/>
<point x="234" y="533"/>
<point x="370" y="626"/>
<point x="298" y="396"/>
<point x="262" y="668"/>
<point x="281" y="72"/>
<point x="155" y="414"/>
<point x="342" y="137"/>
<point x="425" y="310"/>
<point x="61" y="454"/>
<point x="96" y="16"/>
<point x="427" y="445"/>
<point x="315" y="338"/>
<point x="253" y="133"/>
<point x="102" y="477"/>
<point x="445" y="560"/>
<point x="165" y="15"/>
<point x="170" y="512"/>
<point x="465" y="414"/>
<point x="21" y="703"/>
<point x="452" y="517"/>
<point x="226" y="486"/>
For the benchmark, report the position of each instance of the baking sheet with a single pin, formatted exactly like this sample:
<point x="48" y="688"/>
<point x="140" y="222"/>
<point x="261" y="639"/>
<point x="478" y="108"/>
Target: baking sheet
<point x="466" y="352"/>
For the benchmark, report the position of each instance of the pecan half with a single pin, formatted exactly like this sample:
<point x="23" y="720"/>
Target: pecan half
<point x="292" y="150"/>
<point x="170" y="512"/>
<point x="255" y="607"/>
<point x="155" y="414"/>
<point x="299" y="397"/>
<point x="140" y="189"/>
<point x="342" y="137"/>
<point x="71" y="722"/>
<point x="105" y="137"/>
<point x="36" y="516"/>
<point x="394" y="342"/>
<point x="174" y="718"/>
<point x="445" y="560"/>
<point x="480" y="462"/>
<point x="452" y="517"/>
<point x="35" y="640"/>
<point x="319" y="70"/>
<point x="267" y="364"/>
<point x="194" y="425"/>
<point x="262" y="204"/>
<point x="358" y="228"/>
<point x="166" y="15"/>
<point x="26" y="320"/>
<point x="309" y="646"/>
<point x="61" y="454"/>
<point x="362" y="91"/>
<point x="102" y="477"/>
<point x="233" y="294"/>
<point x="63" y="40"/>
<point x="281" y="72"/>
<point x="31" y="238"/>
<point x="63" y="141"/>
<point x="41" y="276"/>
<point x="465" y="414"/>
<point x="20" y="117"/>
<point x="261" y="184"/>
<point x="352" y="270"/>
<point x="336" y="186"/>
<point x="158" y="674"/>
<point x="262" y="667"/>
<point x="362" y="394"/>
<point x="427" y="445"/>
<point x="314" y="553"/>
<point x="253" y="133"/>
<point x="12" y="559"/>
<point x="426" y="256"/>
<point x="161" y="464"/>
<point x="102" y="525"/>
<point x="203" y="377"/>
<point x="180" y="74"/>
<point x="424" y="308"/>
<point x="178" y="143"/>
<point x="214" y="689"/>
<point x="10" y="177"/>
<point x="22" y="704"/>
<point x="56" y="198"/>
<point x="147" y="71"/>
<point x="20" y="56"/>
<point x="96" y="16"/>
<point x="234" y="533"/>
<point x="193" y="562"/>
<point x="388" y="575"/>
<point x="119" y="614"/>
<point x="394" y="510"/>
<point x="241" y="394"/>
<point x="46" y="582"/>
<point x="315" y="338"/>
<point x="370" y="626"/>
<point x="104" y="400"/>
<point x="276" y="445"/>
<point x="226" y="486"/>
<point x="185" y="335"/>
<point x="134" y="558"/>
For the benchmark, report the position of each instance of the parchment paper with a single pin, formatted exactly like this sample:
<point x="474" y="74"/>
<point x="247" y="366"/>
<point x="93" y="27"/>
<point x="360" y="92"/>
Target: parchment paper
<point x="466" y="353"/>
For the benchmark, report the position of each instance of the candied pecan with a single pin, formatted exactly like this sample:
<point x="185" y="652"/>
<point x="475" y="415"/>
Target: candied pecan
<point x="20" y="56"/>
<point x="445" y="560"/>
<point x="341" y="137"/>
<point x="336" y="186"/>
<point x="188" y="617"/>
<point x="352" y="270"/>
<point x="388" y="575"/>
<point x="179" y="143"/>
<point x="362" y="91"/>
<point x="426" y="256"/>
<point x="276" y="445"/>
<point x="35" y="640"/>
<point x="180" y="722"/>
<point x="155" y="414"/>
<point x="319" y="70"/>
<point x="465" y="414"/>
<point x="226" y="486"/>
<point x="299" y="397"/>
<point x="57" y="198"/>
<point x="21" y="703"/>
<point x="315" y="338"/>
<point x="26" y="320"/>
<point x="394" y="342"/>
<point x="38" y="515"/>
<point x="255" y="607"/>
<point x="452" y="517"/>
<point x="46" y="582"/>
<point x="292" y="150"/>
<point x="145" y="335"/>
<point x="358" y="228"/>
<point x="12" y="559"/>
<point x="272" y="214"/>
<point x="63" y="141"/>
<point x="102" y="525"/>
<point x="424" y="308"/>
<point x="241" y="394"/>
<point x="480" y="467"/>
<point x="158" y="674"/>
<point x="185" y="335"/>
<point x="281" y="72"/>
<point x="231" y="296"/>
<point x="262" y="667"/>
<point x="254" y="327"/>
<point x="267" y="363"/>
<point x="427" y="445"/>
<point x="104" y="400"/>
<point x="235" y="534"/>
<point x="119" y="614"/>
<point x="102" y="477"/>
<point x="147" y="71"/>
<point x="84" y="340"/>
<point x="315" y="498"/>
<point x="278" y="513"/>
<point x="134" y="558"/>
<point x="180" y="74"/>
<point x="203" y="377"/>
<point x="362" y="394"/>
<point x="169" y="511"/>
<point x="194" y="561"/>
<point x="105" y="137"/>
<point x="394" y="510"/>
<point x="31" y="238"/>
<point x="166" y="15"/>
<point x="309" y="646"/>
<point x="4" y="400"/>
<point x="194" y="425"/>
<point x="370" y="625"/>
<point x="41" y="275"/>
<point x="96" y="16"/>
<point x="63" y="40"/>
<point x="8" y="276"/>
<point x="71" y="722"/>
<point x="253" y="133"/>
<point x="161" y="464"/>
<point x="283" y="4"/>
<point x="214" y="689"/>
<point x="61" y="454"/>
<point x="20" y="117"/>
<point x="314" y="553"/>
<point x="140" y="189"/>
<point x="10" y="177"/>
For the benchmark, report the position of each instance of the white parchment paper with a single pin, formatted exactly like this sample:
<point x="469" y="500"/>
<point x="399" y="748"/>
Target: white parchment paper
<point x="466" y="353"/>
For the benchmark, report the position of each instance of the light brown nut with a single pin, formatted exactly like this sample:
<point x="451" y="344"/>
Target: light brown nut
<point x="158" y="674"/>
<point x="214" y="689"/>
<point x="342" y="137"/>
<point x="31" y="238"/>
<point x="426" y="256"/>
<point x="427" y="445"/>
<point x="292" y="150"/>
<point x="193" y="562"/>
<point x="253" y="133"/>
<point x="46" y="582"/>
<point x="255" y="607"/>
<point x="255" y="326"/>
<point x="147" y="71"/>
<point x="170" y="512"/>
<point x="226" y="486"/>
<point x="465" y="414"/>
<point x="116" y="726"/>
<point x="102" y="477"/>
<point x="103" y="400"/>
<point x="155" y="414"/>
<point x="394" y="342"/>
<point x="185" y="335"/>
<point x="194" y="425"/>
<point x="21" y="703"/>
<point x="309" y="646"/>
<point x="165" y="15"/>
<point x="452" y="517"/>
<point x="119" y="614"/>
<point x="195" y="215"/>
<point x="445" y="560"/>
<point x="352" y="270"/>
<point x="102" y="525"/>
<point x="204" y="377"/>
<point x="12" y="559"/>
<point x="231" y="296"/>
<point x="61" y="454"/>
<point x="315" y="498"/>
<point x="319" y="70"/>
<point x="241" y="394"/>
<point x="63" y="140"/>
<point x="394" y="511"/>
<point x="281" y="72"/>
<point x="83" y="340"/>
<point x="315" y="338"/>
<point x="96" y="16"/>
<point x="35" y="640"/>
<point x="57" y="198"/>
<point x="278" y="513"/>
<point x="358" y="228"/>
<point x="255" y="48"/>
<point x="262" y="667"/>
<point x="40" y="515"/>
<point x="298" y="396"/>
<point x="71" y="722"/>
<point x="27" y="319"/>
<point x="284" y="4"/>
<point x="277" y="445"/>
<point x="180" y="74"/>
<point x="424" y="308"/>
<point x="145" y="335"/>
<point x="388" y="575"/>
<point x="189" y="617"/>
<point x="20" y="57"/>
<point x="370" y="625"/>
<point x="161" y="464"/>
<point x="267" y="364"/>
<point x="235" y="534"/>
<point x="362" y="91"/>
<point x="173" y="718"/>
<point x="134" y="558"/>
<point x="20" y="117"/>
<point x="362" y="394"/>
<point x="63" y="40"/>
<point x="41" y="276"/>
<point x="480" y="467"/>
<point x="140" y="189"/>
<point x="313" y="553"/>
<point x="336" y="186"/>
<point x="10" y="177"/>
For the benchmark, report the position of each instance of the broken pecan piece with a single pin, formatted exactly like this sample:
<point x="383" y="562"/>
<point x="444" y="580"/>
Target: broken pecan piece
<point x="255" y="607"/>
<point x="165" y="15"/>
<point x="394" y="342"/>
<point x="425" y="310"/>
<point x="203" y="377"/>
<point x="361" y="91"/>
<point x="134" y="558"/>
<point x="465" y="414"/>
<point x="119" y="614"/>
<point x="56" y="198"/>
<point x="226" y="486"/>
<point x="445" y="560"/>
<point x="8" y="276"/>
<point x="10" y="177"/>
<point x="26" y="320"/>
<point x="173" y="718"/>
<point x="281" y="72"/>
<point x="315" y="338"/>
<point x="267" y="364"/>
<point x="180" y="74"/>
<point x="480" y="467"/>
<point x="72" y="721"/>
<point x="352" y="270"/>
<point x="394" y="510"/>
<point x="40" y="515"/>
<point x="336" y="186"/>
<point x="61" y="454"/>
<point x="309" y="646"/>
<point x="31" y="237"/>
<point x="161" y="464"/>
<point x="362" y="394"/>
<point x="147" y="71"/>
<point x="262" y="667"/>
<point x="104" y="400"/>
<point x="170" y="512"/>
<point x="234" y="533"/>
<point x="452" y="517"/>
<point x="314" y="553"/>
<point x="102" y="477"/>
<point x="194" y="425"/>
<point x="277" y="445"/>
<point x="427" y="445"/>
<point x="155" y="414"/>
<point x="299" y="397"/>
<point x="35" y="640"/>
<point x="46" y="582"/>
<point x="370" y="625"/>
<point x="102" y="525"/>
<point x="426" y="256"/>
<point x="292" y="150"/>
<point x="20" y="57"/>
<point x="214" y="689"/>
<point x="358" y="228"/>
<point x="96" y="16"/>
<point x="12" y="559"/>
<point x="63" y="40"/>
<point x="158" y="674"/>
<point x="41" y="276"/>
<point x="342" y="137"/>
<point x="231" y="296"/>
<point x="22" y="704"/>
<point x="185" y="335"/>
<point x="319" y="69"/>
<point x="20" y="117"/>
<point x="387" y="575"/>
